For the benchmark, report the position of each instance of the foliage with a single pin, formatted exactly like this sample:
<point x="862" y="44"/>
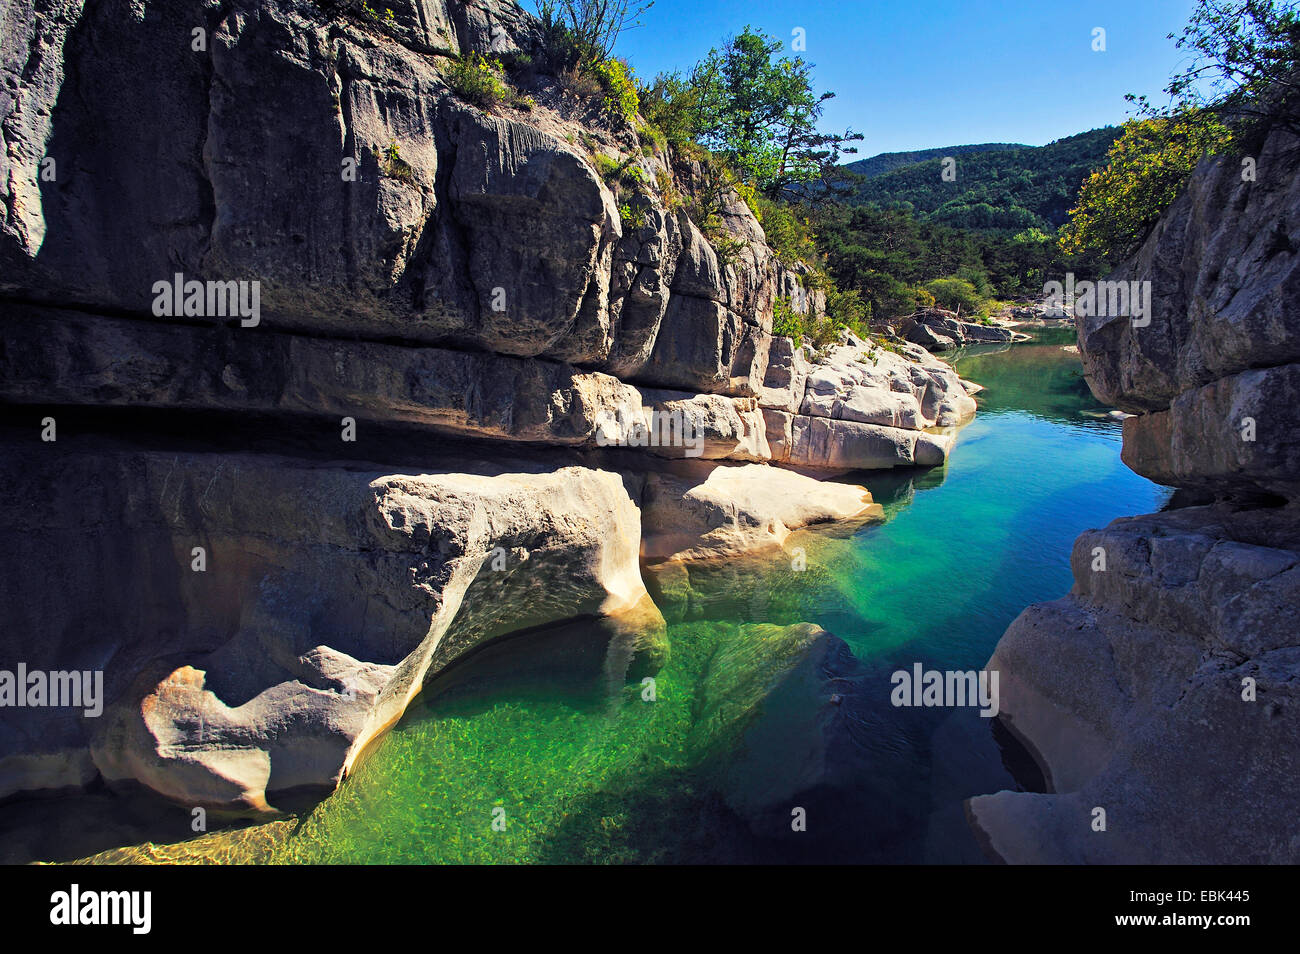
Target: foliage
<point x="624" y="175"/>
<point x="786" y="322"/>
<point x="671" y="107"/>
<point x="788" y="230"/>
<point x="956" y="294"/>
<point x="1146" y="169"/>
<point x="759" y="112"/>
<point x="667" y="189"/>
<point x="479" y="80"/>
<point x="707" y="196"/>
<point x="846" y="309"/>
<point x="615" y="78"/>
<point x="1244" y="66"/>
<point x="1005" y="190"/>
<point x="886" y="254"/>
<point x="587" y="30"/>
<point x="632" y="215"/>
<point x="889" y="161"/>
<point x="393" y="165"/>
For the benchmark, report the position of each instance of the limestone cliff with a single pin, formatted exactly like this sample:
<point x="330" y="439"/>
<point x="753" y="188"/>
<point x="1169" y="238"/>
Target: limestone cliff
<point x="268" y="521"/>
<point x="1165" y="688"/>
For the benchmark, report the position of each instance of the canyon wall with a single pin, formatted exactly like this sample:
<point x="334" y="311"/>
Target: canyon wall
<point x="268" y="525"/>
<point x="1164" y="690"/>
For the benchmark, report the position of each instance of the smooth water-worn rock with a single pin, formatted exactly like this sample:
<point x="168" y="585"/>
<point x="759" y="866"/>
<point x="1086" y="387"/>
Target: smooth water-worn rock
<point x="702" y="511"/>
<point x="324" y="596"/>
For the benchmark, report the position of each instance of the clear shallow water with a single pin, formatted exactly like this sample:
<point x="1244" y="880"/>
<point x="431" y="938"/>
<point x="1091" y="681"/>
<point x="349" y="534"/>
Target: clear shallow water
<point x="534" y="735"/>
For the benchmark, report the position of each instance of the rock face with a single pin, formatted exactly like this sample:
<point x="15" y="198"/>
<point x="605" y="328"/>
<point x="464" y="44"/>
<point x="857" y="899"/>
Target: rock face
<point x="326" y="595"/>
<point x="1163" y="688"/>
<point x="937" y="330"/>
<point x="709" y="512"/>
<point x="278" y="217"/>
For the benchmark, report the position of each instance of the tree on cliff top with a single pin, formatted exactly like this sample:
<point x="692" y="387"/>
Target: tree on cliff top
<point x="1145" y="170"/>
<point x="588" y="28"/>
<point x="758" y="111"/>
<point x="1243" y="80"/>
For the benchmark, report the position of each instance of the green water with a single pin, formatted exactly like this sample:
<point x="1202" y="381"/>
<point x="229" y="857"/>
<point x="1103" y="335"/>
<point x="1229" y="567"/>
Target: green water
<point x="526" y="754"/>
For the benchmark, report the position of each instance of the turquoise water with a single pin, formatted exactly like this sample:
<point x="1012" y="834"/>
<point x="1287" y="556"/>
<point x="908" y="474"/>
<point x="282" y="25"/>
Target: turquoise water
<point x="530" y="753"/>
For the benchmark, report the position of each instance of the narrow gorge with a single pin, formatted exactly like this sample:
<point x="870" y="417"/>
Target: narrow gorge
<point x="435" y="431"/>
<point x="401" y="459"/>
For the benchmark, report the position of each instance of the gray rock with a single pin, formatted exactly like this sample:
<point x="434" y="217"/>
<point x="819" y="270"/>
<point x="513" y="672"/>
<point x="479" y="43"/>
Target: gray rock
<point x="1129" y="692"/>
<point x="65" y="358"/>
<point x="329" y="594"/>
<point x="1224" y="268"/>
<point x="1163" y="689"/>
<point x="1238" y="432"/>
<point x="938" y="330"/>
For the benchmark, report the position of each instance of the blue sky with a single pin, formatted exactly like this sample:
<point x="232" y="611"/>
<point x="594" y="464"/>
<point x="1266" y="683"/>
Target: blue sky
<point x="916" y="74"/>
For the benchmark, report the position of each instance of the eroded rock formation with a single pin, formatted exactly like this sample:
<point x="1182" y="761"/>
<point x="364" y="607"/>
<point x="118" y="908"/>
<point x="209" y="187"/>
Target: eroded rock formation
<point x="421" y="264"/>
<point x="1165" y="688"/>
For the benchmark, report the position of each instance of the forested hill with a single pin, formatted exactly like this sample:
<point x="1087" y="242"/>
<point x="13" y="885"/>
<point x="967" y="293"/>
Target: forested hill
<point x="1007" y="189"/>
<point x="889" y="161"/>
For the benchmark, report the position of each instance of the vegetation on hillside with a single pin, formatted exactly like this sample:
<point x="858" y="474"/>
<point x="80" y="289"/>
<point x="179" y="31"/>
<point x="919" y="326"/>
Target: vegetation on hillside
<point x="1005" y="190"/>
<point x="878" y="165"/>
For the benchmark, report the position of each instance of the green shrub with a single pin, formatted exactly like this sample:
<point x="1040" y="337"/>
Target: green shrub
<point x="786" y="322"/>
<point x="846" y="309"/>
<point x="1146" y="168"/>
<point x="615" y="78"/>
<point x="668" y="191"/>
<point x="955" y="294"/>
<point x="479" y="80"/>
<point x="607" y="168"/>
<point x="652" y="140"/>
<point x="393" y="165"/>
<point x="621" y="176"/>
<point x="671" y="105"/>
<point x="633" y="215"/>
<point x="788" y="233"/>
